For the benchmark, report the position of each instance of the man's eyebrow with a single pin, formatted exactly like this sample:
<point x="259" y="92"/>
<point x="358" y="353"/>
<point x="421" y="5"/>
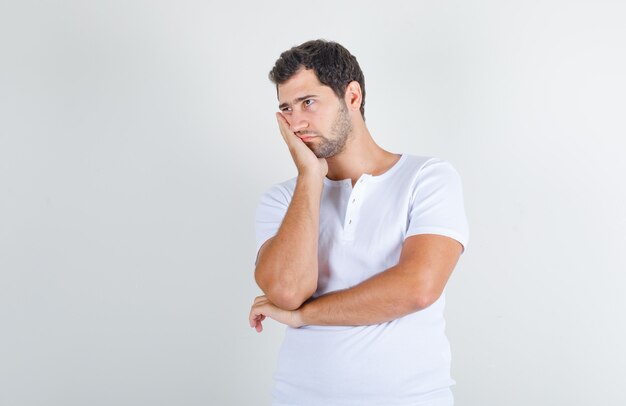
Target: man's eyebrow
<point x="298" y="100"/>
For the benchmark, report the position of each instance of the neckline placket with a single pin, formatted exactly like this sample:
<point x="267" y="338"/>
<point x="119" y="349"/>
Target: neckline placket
<point x="354" y="202"/>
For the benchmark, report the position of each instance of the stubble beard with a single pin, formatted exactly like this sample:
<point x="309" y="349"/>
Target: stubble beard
<point x="341" y="129"/>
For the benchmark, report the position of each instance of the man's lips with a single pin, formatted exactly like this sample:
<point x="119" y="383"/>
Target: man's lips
<point x="307" y="138"/>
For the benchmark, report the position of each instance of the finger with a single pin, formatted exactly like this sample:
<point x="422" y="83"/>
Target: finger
<point x="284" y="127"/>
<point x="282" y="121"/>
<point x="258" y="327"/>
<point x="254" y="317"/>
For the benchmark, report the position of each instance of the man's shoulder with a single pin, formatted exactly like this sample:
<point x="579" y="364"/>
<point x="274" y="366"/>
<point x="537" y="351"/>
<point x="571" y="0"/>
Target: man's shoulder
<point x="418" y="164"/>
<point x="288" y="184"/>
<point x="283" y="189"/>
<point x="418" y="161"/>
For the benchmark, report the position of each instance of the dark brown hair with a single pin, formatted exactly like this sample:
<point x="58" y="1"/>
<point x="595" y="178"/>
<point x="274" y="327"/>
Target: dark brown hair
<point x="333" y="65"/>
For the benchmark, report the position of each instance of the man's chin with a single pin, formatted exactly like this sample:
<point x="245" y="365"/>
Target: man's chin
<point x="317" y="152"/>
<point x="327" y="155"/>
<point x="326" y="149"/>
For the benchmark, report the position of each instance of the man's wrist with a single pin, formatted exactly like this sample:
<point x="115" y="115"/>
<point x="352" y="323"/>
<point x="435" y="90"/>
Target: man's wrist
<point x="310" y="177"/>
<point x="299" y="316"/>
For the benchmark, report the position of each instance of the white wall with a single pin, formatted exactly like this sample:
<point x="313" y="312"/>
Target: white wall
<point x="137" y="136"/>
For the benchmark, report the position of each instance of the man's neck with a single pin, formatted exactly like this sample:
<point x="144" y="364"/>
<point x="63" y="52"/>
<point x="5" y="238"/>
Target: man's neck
<point x="361" y="155"/>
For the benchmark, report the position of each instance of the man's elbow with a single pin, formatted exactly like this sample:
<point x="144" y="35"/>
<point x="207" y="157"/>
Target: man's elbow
<point x="287" y="300"/>
<point x="286" y="297"/>
<point x="424" y="298"/>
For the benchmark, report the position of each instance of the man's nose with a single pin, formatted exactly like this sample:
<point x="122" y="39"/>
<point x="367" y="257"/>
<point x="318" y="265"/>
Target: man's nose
<point x="298" y="122"/>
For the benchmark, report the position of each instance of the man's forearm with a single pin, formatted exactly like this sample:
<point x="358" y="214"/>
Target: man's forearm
<point x="416" y="282"/>
<point x="386" y="296"/>
<point x="287" y="271"/>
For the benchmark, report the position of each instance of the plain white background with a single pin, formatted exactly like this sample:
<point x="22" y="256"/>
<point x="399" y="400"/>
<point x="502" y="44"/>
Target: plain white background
<point x="136" y="138"/>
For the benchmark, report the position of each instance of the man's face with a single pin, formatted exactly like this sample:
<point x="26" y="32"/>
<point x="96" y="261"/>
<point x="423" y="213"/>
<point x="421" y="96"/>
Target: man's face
<point x="315" y="113"/>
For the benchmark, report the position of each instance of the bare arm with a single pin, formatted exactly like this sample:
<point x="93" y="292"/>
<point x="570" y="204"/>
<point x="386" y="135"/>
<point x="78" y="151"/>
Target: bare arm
<point x="286" y="268"/>
<point x="416" y="282"/>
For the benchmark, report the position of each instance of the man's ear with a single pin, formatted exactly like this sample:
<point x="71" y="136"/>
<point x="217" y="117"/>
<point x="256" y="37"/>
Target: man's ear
<point x="353" y="96"/>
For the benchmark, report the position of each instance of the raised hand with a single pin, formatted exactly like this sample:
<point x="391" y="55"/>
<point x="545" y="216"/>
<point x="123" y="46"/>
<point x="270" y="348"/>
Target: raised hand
<point x="305" y="160"/>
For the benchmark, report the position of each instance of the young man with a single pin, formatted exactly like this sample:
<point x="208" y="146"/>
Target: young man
<point x="354" y="253"/>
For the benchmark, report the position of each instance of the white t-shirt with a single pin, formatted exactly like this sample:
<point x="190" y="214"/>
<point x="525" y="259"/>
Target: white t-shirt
<point x="402" y="362"/>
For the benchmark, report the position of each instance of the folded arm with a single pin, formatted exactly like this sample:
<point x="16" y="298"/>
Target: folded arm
<point x="417" y="281"/>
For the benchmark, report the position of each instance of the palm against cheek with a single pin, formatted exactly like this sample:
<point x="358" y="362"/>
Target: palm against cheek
<point x="303" y="157"/>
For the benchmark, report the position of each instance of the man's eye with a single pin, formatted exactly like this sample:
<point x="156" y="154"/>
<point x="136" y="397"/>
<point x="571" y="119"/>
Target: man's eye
<point x="308" y="102"/>
<point x="286" y="109"/>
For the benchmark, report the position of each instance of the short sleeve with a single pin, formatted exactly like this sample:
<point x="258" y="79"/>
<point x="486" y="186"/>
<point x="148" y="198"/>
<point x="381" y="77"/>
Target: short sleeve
<point x="270" y="213"/>
<point x="437" y="203"/>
